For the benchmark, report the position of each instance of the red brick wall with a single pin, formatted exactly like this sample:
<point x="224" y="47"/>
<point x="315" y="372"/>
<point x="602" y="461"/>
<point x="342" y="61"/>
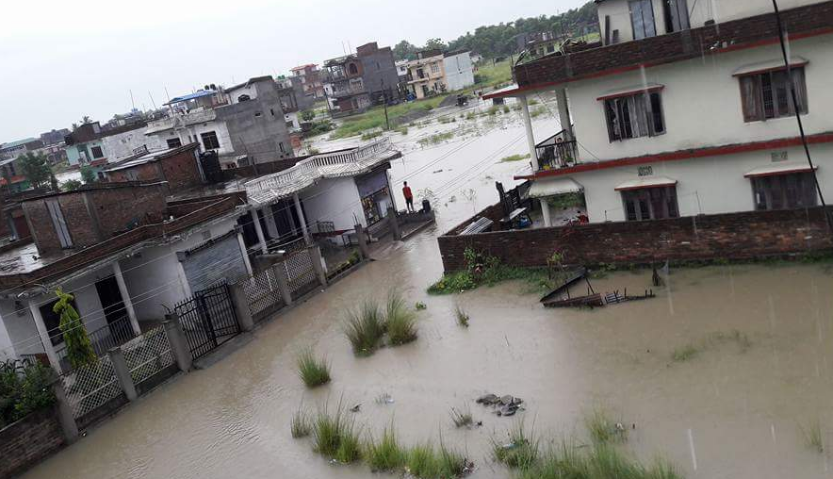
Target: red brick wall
<point x="181" y="170"/>
<point x="735" y="236"/>
<point x="144" y="172"/>
<point x="25" y="442"/>
<point x="121" y="209"/>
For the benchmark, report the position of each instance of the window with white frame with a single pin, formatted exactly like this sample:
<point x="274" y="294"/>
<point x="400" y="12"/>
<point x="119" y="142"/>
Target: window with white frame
<point x="767" y="95"/>
<point x="435" y="67"/>
<point x="642" y="19"/>
<point x="634" y="116"/>
<point x="210" y="140"/>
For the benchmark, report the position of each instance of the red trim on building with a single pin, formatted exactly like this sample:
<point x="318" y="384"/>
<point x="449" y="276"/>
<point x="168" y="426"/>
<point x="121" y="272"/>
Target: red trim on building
<point x="645" y="187"/>
<point x="803" y="169"/>
<point x="682" y="155"/>
<point x="650" y="89"/>
<point x="771" y="69"/>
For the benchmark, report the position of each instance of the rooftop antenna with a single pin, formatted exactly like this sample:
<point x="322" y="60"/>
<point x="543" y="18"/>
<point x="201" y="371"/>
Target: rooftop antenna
<point x="167" y="94"/>
<point x="343" y="49"/>
<point x="133" y="103"/>
<point x="151" y="100"/>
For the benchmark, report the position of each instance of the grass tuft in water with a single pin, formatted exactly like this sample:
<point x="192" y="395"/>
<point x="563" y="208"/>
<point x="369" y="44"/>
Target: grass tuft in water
<point x="813" y="437"/>
<point x="385" y="455"/>
<point x="462" y="316"/>
<point x="603" y="429"/>
<point x="685" y="353"/>
<point x="423" y="461"/>
<point x="461" y="417"/>
<point x="520" y="451"/>
<point x="400" y="321"/>
<point x="450" y="463"/>
<point x="349" y="447"/>
<point x="364" y="328"/>
<point x="313" y="372"/>
<point x="420" y="306"/>
<point x="598" y="462"/>
<point x="328" y="431"/>
<point x="511" y="158"/>
<point x="300" y="425"/>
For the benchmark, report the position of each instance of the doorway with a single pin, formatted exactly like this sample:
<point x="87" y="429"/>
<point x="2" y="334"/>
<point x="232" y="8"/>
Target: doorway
<point x="114" y="311"/>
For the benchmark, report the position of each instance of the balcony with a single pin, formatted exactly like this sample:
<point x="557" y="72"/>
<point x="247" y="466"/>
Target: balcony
<point x="343" y="90"/>
<point x="557" y="151"/>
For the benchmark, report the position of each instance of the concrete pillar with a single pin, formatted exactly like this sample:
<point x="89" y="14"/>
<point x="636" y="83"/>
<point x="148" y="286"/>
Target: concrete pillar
<point x="364" y="251"/>
<point x="259" y="230"/>
<point x="530" y="137"/>
<point x="125" y="298"/>
<point x="64" y="410"/>
<point x="245" y="253"/>
<point x="315" y="257"/>
<point x="282" y="281"/>
<point x="545" y="212"/>
<point x="301" y="217"/>
<point x="183" y="278"/>
<point x="564" y="113"/>
<point x="34" y="308"/>
<point x="241" y="307"/>
<point x="122" y="373"/>
<point x="179" y="345"/>
<point x="394" y="224"/>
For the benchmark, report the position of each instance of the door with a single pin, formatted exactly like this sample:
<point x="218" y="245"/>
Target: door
<point x="642" y="19"/>
<point x="676" y="15"/>
<point x="114" y="311"/>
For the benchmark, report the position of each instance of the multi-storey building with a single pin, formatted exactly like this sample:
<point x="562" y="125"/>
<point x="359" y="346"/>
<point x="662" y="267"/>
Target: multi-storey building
<point x="436" y="72"/>
<point x="357" y="81"/>
<point x="310" y="77"/>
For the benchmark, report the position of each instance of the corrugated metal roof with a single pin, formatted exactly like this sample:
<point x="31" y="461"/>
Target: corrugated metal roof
<point x="192" y="96"/>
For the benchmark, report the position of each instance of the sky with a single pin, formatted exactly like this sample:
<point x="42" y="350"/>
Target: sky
<point x="64" y="60"/>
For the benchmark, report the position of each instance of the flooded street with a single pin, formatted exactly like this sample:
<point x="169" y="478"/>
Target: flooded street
<point x="733" y="409"/>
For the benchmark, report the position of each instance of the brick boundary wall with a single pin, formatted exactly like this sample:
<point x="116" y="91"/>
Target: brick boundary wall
<point x="29" y="440"/>
<point x="733" y="236"/>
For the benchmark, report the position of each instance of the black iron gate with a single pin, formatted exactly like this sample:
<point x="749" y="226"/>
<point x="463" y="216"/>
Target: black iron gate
<point x="208" y="319"/>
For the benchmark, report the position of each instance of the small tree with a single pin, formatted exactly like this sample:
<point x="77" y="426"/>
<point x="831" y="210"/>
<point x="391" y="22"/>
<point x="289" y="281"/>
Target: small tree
<point x="88" y="175"/>
<point x="71" y="185"/>
<point x="35" y="168"/>
<point x="308" y="115"/>
<point x="79" y="349"/>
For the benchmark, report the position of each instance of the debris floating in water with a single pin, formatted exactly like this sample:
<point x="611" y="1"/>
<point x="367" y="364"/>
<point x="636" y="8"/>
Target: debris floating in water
<point x="506" y="405"/>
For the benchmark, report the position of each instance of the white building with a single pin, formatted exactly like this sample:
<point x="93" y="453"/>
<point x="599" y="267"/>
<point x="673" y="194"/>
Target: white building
<point x="459" y="70"/>
<point x="693" y="117"/>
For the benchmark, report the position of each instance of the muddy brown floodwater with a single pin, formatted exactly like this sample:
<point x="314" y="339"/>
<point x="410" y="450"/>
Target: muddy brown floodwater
<point x="733" y="410"/>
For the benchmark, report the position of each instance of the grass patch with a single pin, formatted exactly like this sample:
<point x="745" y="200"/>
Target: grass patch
<point x="494" y="74"/>
<point x="537" y="111"/>
<point x="462" y="316"/>
<point x="300" y="425"/>
<point x="403" y="130"/>
<point x="446" y="119"/>
<point x="598" y="462"/>
<point x="328" y="431"/>
<point x="684" y="353"/>
<point x="436" y="138"/>
<point x="371" y="135"/>
<point x="519" y="452"/>
<point x="603" y="429"/>
<point x="718" y="338"/>
<point x="450" y="462"/>
<point x="536" y="280"/>
<point x="813" y="437"/>
<point x="375" y="117"/>
<point x="422" y="462"/>
<point x="461" y="417"/>
<point x="313" y="372"/>
<point x="385" y="455"/>
<point x="400" y="321"/>
<point x="420" y="306"/>
<point x="364" y="328"/>
<point x="349" y="447"/>
<point x="319" y="127"/>
<point x="510" y="158"/>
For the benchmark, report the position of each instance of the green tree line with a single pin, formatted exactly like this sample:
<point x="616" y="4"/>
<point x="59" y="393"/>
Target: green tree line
<point x="499" y="40"/>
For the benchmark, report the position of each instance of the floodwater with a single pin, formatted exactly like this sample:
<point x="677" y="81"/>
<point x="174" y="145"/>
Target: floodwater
<point x="734" y="410"/>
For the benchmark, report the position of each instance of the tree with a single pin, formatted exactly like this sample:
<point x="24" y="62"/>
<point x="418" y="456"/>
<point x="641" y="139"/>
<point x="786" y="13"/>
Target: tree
<point x="307" y="115"/>
<point x="79" y="349"/>
<point x="88" y="175"/>
<point x="85" y="120"/>
<point x="35" y="168"/>
<point x="71" y="185"/>
<point x="435" y="44"/>
<point x="404" y="50"/>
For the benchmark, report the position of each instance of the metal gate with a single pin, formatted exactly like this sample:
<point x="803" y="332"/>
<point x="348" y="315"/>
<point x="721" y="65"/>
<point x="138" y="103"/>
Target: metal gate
<point x="208" y="319"/>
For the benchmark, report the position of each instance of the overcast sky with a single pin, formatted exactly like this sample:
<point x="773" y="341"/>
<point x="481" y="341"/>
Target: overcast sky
<point x="62" y="59"/>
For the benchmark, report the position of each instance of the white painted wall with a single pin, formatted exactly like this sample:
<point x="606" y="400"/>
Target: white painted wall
<point x="335" y="200"/>
<point x="20" y="326"/>
<point x="6" y="349"/>
<point x="121" y="146"/>
<point x="459" y="72"/>
<point x="192" y="133"/>
<point x="717" y="182"/>
<point x="237" y="92"/>
<point x="702" y="103"/>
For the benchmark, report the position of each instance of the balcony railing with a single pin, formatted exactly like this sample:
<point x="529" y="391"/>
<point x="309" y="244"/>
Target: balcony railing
<point x="557" y="151"/>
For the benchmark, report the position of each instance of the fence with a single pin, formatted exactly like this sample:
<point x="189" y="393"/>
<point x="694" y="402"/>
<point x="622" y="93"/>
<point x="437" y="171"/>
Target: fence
<point x="148" y="355"/>
<point x="208" y="319"/>
<point x="263" y="293"/>
<point x="106" y="337"/>
<point x="91" y="387"/>
<point x="300" y="272"/>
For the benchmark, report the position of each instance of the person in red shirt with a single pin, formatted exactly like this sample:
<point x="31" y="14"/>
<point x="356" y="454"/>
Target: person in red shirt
<point x="409" y="197"/>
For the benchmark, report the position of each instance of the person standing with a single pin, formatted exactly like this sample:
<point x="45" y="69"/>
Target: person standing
<point x="409" y="197"/>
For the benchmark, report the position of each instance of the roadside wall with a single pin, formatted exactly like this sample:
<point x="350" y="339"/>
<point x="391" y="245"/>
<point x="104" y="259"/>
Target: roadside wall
<point x="27" y="441"/>
<point x="733" y="236"/>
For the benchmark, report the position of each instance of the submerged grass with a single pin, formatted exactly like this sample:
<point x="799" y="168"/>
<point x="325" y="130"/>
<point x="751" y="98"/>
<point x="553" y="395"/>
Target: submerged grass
<point x="400" y="321"/>
<point x="329" y="430"/>
<point x="813" y="436"/>
<point x="510" y="158"/>
<point x="436" y="138"/>
<point x="598" y="462"/>
<point x="461" y="417"/>
<point x="385" y="455"/>
<point x="462" y="316"/>
<point x="689" y="351"/>
<point x="300" y="425"/>
<point x="375" y="117"/>
<point x="349" y="447"/>
<point x="519" y="452"/>
<point x="313" y="372"/>
<point x="603" y="429"/>
<point x="536" y="280"/>
<point x="364" y="328"/>
<point x="685" y="353"/>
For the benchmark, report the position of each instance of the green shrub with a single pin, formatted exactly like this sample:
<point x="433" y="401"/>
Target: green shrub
<point x="520" y="451"/>
<point x="25" y="387"/>
<point x="371" y="135"/>
<point x="385" y="455"/>
<point x="364" y="328"/>
<point x="313" y="372"/>
<point x="400" y="322"/>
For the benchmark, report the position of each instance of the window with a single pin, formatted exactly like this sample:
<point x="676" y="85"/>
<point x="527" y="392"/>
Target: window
<point x="767" y="95"/>
<point x="435" y="67"/>
<point x="642" y="19"/>
<point x="650" y="203"/>
<point x="676" y="15"/>
<point x="550" y="48"/>
<point x="59" y="223"/>
<point x="280" y="146"/>
<point x="97" y="152"/>
<point x="52" y="321"/>
<point x="781" y="192"/>
<point x="634" y="116"/>
<point x="174" y="143"/>
<point x="210" y="141"/>
<point x="353" y="69"/>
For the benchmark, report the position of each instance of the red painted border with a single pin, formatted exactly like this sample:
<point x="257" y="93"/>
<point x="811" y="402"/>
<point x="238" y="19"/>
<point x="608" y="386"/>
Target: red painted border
<point x="682" y="155"/>
<point x="642" y="187"/>
<point x="771" y="69"/>
<point x="781" y="172"/>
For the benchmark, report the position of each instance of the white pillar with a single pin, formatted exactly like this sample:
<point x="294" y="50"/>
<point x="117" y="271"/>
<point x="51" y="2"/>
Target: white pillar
<point x="34" y="308"/>
<point x="125" y="298"/>
<point x="545" y="212"/>
<point x="300" y="212"/>
<point x="183" y="278"/>
<point x="564" y="113"/>
<point x="259" y="230"/>
<point x="245" y="253"/>
<point x="530" y="137"/>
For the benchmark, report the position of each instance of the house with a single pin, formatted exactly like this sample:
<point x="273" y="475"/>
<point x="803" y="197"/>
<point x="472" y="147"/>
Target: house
<point x="12" y="178"/>
<point x="357" y="81"/>
<point x="93" y="144"/>
<point x="435" y="72"/>
<point x="310" y="78"/>
<point x="683" y="109"/>
<point x="243" y="124"/>
<point x="123" y="265"/>
<point x="13" y="149"/>
<point x="54" y="137"/>
<point x="539" y="44"/>
<point x="293" y="100"/>
<point x="179" y="168"/>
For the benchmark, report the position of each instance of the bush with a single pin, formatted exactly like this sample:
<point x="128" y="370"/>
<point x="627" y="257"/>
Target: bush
<point x="371" y="135"/>
<point x="329" y="430"/>
<point x="364" y="328"/>
<point x="399" y="320"/>
<point x="312" y="371"/>
<point x="386" y="455"/>
<point x="25" y="387"/>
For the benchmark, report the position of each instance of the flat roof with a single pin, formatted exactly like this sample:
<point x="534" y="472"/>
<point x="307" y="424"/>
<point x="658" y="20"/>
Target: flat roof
<point x="150" y="157"/>
<point x="192" y="96"/>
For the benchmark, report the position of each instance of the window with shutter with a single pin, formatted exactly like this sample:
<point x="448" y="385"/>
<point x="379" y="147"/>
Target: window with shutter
<point x="767" y="95"/>
<point x="634" y="116"/>
<point x="642" y="19"/>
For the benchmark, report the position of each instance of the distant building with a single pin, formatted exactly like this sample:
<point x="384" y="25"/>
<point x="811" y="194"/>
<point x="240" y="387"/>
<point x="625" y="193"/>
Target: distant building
<point x="11" y="175"/>
<point x="380" y="75"/>
<point x="435" y="72"/>
<point x="293" y="100"/>
<point x="54" y="137"/>
<point x="311" y="81"/>
<point x="93" y="144"/>
<point x="357" y="81"/>
<point x="459" y="70"/>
